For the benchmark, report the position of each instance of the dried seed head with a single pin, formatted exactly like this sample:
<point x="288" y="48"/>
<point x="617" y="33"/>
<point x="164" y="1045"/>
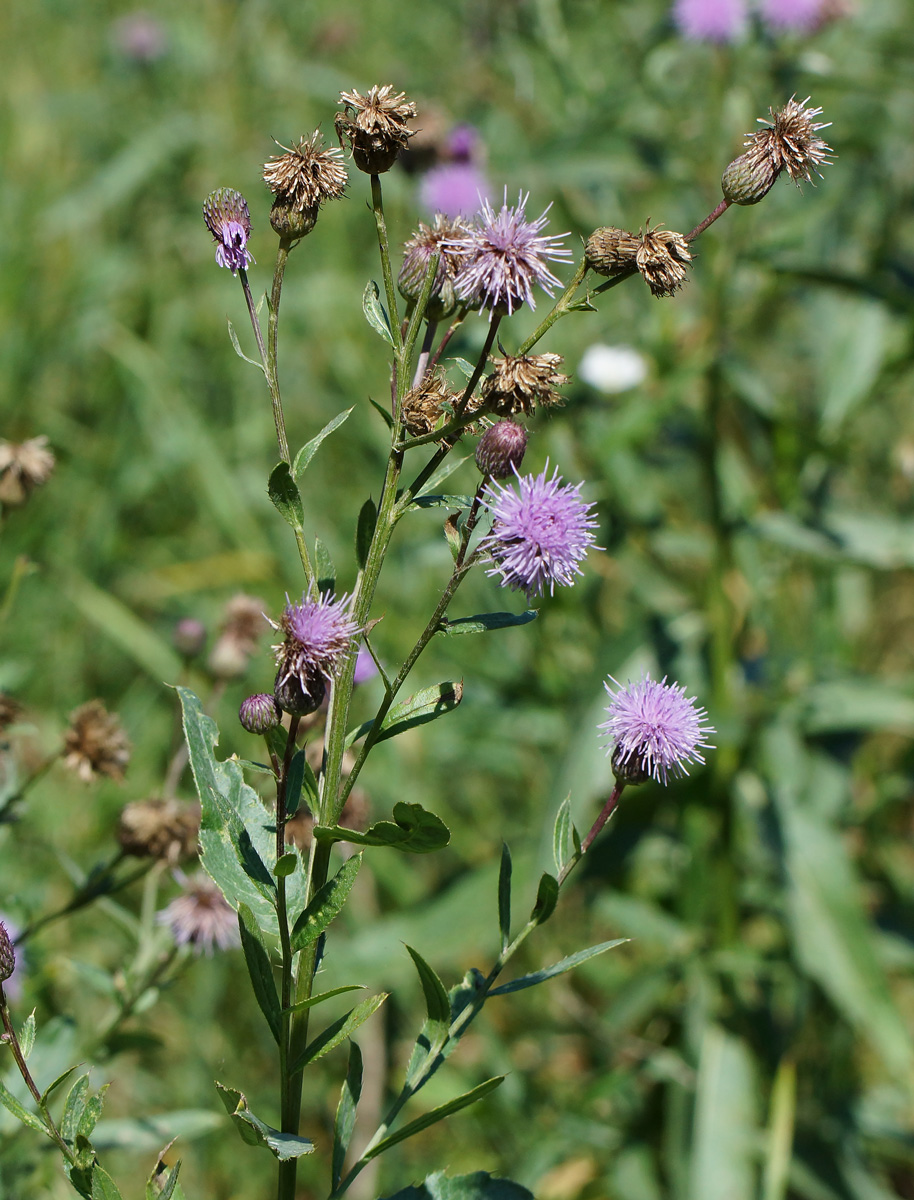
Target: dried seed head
<point x="162" y="829"/>
<point x="239" y="634"/>
<point x="610" y="250"/>
<point x="425" y="404"/>
<point x="7" y="954"/>
<point x="225" y="212"/>
<point x="259" y="714"/>
<point x="427" y="241"/>
<point x="790" y="140"/>
<point x="95" y="743"/>
<point x="519" y="383"/>
<point x="375" y="126"/>
<point x="500" y="451"/>
<point x="749" y="178"/>
<point x="662" y="259"/>
<point x="305" y="176"/>
<point x="24" y="466"/>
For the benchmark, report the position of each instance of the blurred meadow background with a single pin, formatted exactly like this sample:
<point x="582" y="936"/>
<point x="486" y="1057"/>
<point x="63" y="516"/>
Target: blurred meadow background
<point x="755" y="480"/>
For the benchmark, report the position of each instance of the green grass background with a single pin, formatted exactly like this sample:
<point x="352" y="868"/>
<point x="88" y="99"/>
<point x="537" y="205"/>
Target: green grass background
<point x="755" y="497"/>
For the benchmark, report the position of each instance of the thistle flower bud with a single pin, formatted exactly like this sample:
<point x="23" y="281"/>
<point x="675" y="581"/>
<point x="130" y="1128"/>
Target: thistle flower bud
<point x="375" y="126"/>
<point x="7" y="954"/>
<point x="259" y="713"/>
<point x="226" y="215"/>
<point x="610" y="250"/>
<point x="748" y="178"/>
<point x="500" y="450"/>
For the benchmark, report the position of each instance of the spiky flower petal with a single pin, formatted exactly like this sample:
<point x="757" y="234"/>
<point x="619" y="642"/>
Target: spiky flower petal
<point x="791" y="141"/>
<point x="425" y="243"/>
<point x="225" y="212"/>
<point x="540" y="532"/>
<point x="654" y="730"/>
<point x="505" y="256"/>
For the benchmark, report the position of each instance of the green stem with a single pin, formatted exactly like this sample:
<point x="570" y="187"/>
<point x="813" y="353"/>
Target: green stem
<point x="289" y="1085"/>
<point x="268" y="365"/>
<point x="560" y="308"/>
<point x="393" y="318"/>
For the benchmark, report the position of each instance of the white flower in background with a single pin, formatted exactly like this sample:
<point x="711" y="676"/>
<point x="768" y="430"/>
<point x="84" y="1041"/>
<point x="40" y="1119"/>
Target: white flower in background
<point x="612" y="368"/>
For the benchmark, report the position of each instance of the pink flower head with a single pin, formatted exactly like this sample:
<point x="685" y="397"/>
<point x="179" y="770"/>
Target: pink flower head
<point x="540" y="533"/>
<point x="504" y="255"/>
<point x="318" y="637"/>
<point x="454" y="188"/>
<point x="201" y="916"/>
<point x="227" y="218"/>
<point x="710" y="20"/>
<point x="653" y="730"/>
<point x="801" y="16"/>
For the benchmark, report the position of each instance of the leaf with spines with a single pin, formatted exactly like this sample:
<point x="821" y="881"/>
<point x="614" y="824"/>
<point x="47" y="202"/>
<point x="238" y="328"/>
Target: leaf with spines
<point x="255" y="1132"/>
<point x="311" y="1001"/>
<point x="326" y="904"/>
<point x="563" y="831"/>
<point x="559" y="968"/>
<point x="337" y="1032"/>
<point x="20" y="1112"/>
<point x="27" y="1035"/>
<point x="162" y="1184"/>
<point x="485" y="622"/>
<point x="427" y="705"/>
<point x="433" y="1117"/>
<point x="437" y="1007"/>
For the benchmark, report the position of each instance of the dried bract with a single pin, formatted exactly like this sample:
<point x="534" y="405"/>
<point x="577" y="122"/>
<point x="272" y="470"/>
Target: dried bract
<point x="95" y="743"/>
<point x="24" y="466"/>
<point x="520" y="382"/>
<point x="425" y="404"/>
<point x="375" y="126"/>
<point x="791" y="141"/>
<point x="662" y="259"/>
<point x="610" y="250"/>
<point x="156" y="828"/>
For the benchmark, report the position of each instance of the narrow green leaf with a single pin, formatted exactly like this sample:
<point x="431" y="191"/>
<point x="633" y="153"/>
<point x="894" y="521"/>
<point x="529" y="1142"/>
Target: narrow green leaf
<point x="27" y="1035"/>
<point x="326" y="905"/>
<point x="12" y="1105"/>
<point x="465" y="367"/>
<point x="424" y="706"/>
<point x="260" y="969"/>
<point x="547" y="896"/>
<point x="437" y="1004"/>
<point x="781" y="1122"/>
<point x="62" y="1078"/>
<point x="559" y="968"/>
<point x="442" y="501"/>
<point x="560" y="834"/>
<point x="413" y="829"/>
<point x="388" y="419"/>
<point x="478" y="1186"/>
<point x="307" y="452"/>
<point x="324" y="568"/>
<point x="375" y="312"/>
<point x="91" y="1113"/>
<point x="286" y="498"/>
<point x="436" y="1115"/>
<point x="309" y="787"/>
<point x="344" y="1122"/>
<point x="74" y="1108"/>
<point x="504" y="895"/>
<point x="445" y="471"/>
<point x="581" y="306"/>
<point x="337" y="1032"/>
<point x="294" y="781"/>
<point x="241" y="354"/>
<point x="485" y="622"/>
<point x="103" y="1186"/>
<point x="322" y="996"/>
<point x="368" y="518"/>
<point x="162" y="1184"/>
<point x="255" y="1132"/>
<point x="724" y="1149"/>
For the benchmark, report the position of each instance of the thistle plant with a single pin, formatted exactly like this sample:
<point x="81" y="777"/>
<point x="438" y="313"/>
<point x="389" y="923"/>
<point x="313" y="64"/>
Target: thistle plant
<point x="528" y="533"/>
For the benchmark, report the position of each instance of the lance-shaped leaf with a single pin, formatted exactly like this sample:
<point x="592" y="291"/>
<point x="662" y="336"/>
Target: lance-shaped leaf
<point x="442" y="501"/>
<point x="478" y="1186"/>
<point x="327" y="903"/>
<point x="504" y="896"/>
<point x="368" y="518"/>
<point x="310" y="1002"/>
<point x="51" y="1088"/>
<point x="241" y="354"/>
<point x="162" y="1184"/>
<point x="444" y="471"/>
<point x="286" y="497"/>
<point x="485" y="622"/>
<point x="547" y="896"/>
<point x="559" y="968"/>
<point x="424" y="706"/>
<point x="375" y="312"/>
<point x="388" y="419"/>
<point x="103" y="1186"/>
<point x="344" y="1122"/>
<point x="436" y="1115"/>
<point x="255" y="1132"/>
<point x="563" y="833"/>
<point x="307" y="452"/>
<point x="20" y="1112"/>
<point x="438" y="1011"/>
<point x="236" y="832"/>
<point x="337" y="1032"/>
<point x="260" y="969"/>
<point x="413" y="829"/>
<point x="294" y="781"/>
<point x="324" y="568"/>
<point x="27" y="1034"/>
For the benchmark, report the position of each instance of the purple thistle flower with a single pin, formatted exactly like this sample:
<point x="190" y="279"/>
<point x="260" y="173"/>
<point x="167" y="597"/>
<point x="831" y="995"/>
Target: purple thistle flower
<point x="539" y="533"/>
<point x="710" y="20"/>
<point x="505" y="255"/>
<point x="227" y="218"/>
<point x="200" y="916"/>
<point x="319" y="635"/>
<point x="454" y="188"/>
<point x="653" y="730"/>
<point x="799" y="15"/>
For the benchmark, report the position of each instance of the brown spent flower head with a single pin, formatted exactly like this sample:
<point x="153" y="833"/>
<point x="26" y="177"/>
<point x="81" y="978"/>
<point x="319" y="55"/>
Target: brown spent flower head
<point x="95" y="743"/>
<point x="427" y="241"/>
<point x="375" y="126"/>
<point x="243" y="623"/>
<point x="305" y="176"/>
<point x="24" y="466"/>
<point x="749" y="178"/>
<point x="610" y="250"/>
<point x="519" y="383"/>
<point x="156" y="828"/>
<point x="425" y="404"/>
<point x="790" y="141"/>
<point x="10" y="711"/>
<point x="7" y="954"/>
<point x="662" y="259"/>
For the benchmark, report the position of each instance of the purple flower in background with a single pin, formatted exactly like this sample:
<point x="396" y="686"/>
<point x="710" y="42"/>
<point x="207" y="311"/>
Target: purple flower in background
<point x="365" y="666"/>
<point x="799" y="15"/>
<point x="139" y="36"/>
<point x="505" y="255"/>
<point x="710" y="20"/>
<point x="540" y="533"/>
<point x="463" y="143"/>
<point x="454" y="188"/>
<point x="227" y="218"/>
<point x="653" y="730"/>
<point x="200" y="916"/>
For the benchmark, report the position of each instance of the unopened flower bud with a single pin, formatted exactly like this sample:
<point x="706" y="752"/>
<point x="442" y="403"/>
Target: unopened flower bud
<point x="259" y="714"/>
<point x="500" y="451"/>
<point x="293" y="698"/>
<point x="290" y="222"/>
<point x="748" y="178"/>
<point x="189" y="637"/>
<point x="610" y="250"/>
<point x="7" y="954"/>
